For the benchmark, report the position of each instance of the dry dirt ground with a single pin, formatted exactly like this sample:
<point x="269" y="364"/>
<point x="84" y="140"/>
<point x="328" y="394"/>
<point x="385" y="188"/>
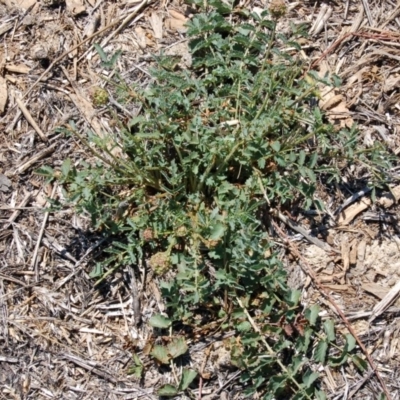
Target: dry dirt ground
<point x="61" y="338"/>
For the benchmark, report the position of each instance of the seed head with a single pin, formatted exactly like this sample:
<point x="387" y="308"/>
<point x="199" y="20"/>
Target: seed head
<point x="160" y="262"/>
<point x="277" y="9"/>
<point x="148" y="235"/>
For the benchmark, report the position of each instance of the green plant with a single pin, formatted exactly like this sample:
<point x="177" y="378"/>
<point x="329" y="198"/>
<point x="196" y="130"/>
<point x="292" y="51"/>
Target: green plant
<point x="215" y="149"/>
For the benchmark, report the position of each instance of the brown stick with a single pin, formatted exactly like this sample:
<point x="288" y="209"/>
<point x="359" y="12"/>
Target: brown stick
<point x="312" y="275"/>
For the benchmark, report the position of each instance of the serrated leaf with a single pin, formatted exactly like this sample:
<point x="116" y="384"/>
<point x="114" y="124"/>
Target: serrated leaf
<point x="160" y="353"/>
<point x="312" y="314"/>
<point x="320" y="351"/>
<point x="188" y="376"/>
<point x="360" y="363"/>
<point x="167" y="391"/>
<point x="329" y="329"/>
<point x="45" y="171"/>
<point x="243" y="326"/>
<point x="177" y="347"/>
<point x="310" y="173"/>
<point x="159" y="321"/>
<point x="135" y="121"/>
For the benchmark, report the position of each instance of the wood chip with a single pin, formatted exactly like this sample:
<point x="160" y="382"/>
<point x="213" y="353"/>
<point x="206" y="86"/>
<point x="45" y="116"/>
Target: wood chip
<point x="75" y="7"/>
<point x="375" y="289"/>
<point x="18" y="69"/>
<point x="156" y="24"/>
<point x="176" y="22"/>
<point x="347" y="215"/>
<point x="3" y="94"/>
<point x="353" y="252"/>
<point x="389" y="298"/>
<point x="388" y="199"/>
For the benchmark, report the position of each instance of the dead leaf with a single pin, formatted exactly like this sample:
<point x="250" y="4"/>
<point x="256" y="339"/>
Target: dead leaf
<point x="177" y="15"/>
<point x="141" y="37"/>
<point x="19" y="4"/>
<point x="176" y="22"/>
<point x="3" y="94"/>
<point x="156" y="24"/>
<point x="75" y="7"/>
<point x="391" y="83"/>
<point x="377" y="290"/>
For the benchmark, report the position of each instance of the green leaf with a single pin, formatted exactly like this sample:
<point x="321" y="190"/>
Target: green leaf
<point x="160" y="353"/>
<point x="309" y="378"/>
<point x="329" y="329"/>
<point x="313" y="160"/>
<point x="338" y="361"/>
<point x="177" y="347"/>
<point x="310" y="173"/>
<point x="159" y="321"/>
<point x="244" y="326"/>
<point x="350" y="342"/>
<point x="66" y="167"/>
<point x="320" y="395"/>
<point x="167" y="391"/>
<point x="295" y="296"/>
<point x="45" y="171"/>
<point x="113" y="59"/>
<point x="100" y="52"/>
<point x="312" y="314"/>
<point x="276" y="146"/>
<point x="188" y="376"/>
<point x="320" y="351"/>
<point x="360" y="363"/>
<point x="137" y="369"/>
<point x="302" y="157"/>
<point x="217" y="232"/>
<point x="96" y="271"/>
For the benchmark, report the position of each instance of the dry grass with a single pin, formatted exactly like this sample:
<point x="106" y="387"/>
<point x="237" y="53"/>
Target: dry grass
<point x="61" y="338"/>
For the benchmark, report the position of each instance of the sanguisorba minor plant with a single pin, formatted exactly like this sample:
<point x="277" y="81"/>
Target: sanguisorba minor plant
<point x="214" y="149"/>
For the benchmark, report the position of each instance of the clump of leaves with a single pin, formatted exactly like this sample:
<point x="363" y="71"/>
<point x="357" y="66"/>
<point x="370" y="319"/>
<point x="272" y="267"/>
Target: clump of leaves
<point x="214" y="150"/>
